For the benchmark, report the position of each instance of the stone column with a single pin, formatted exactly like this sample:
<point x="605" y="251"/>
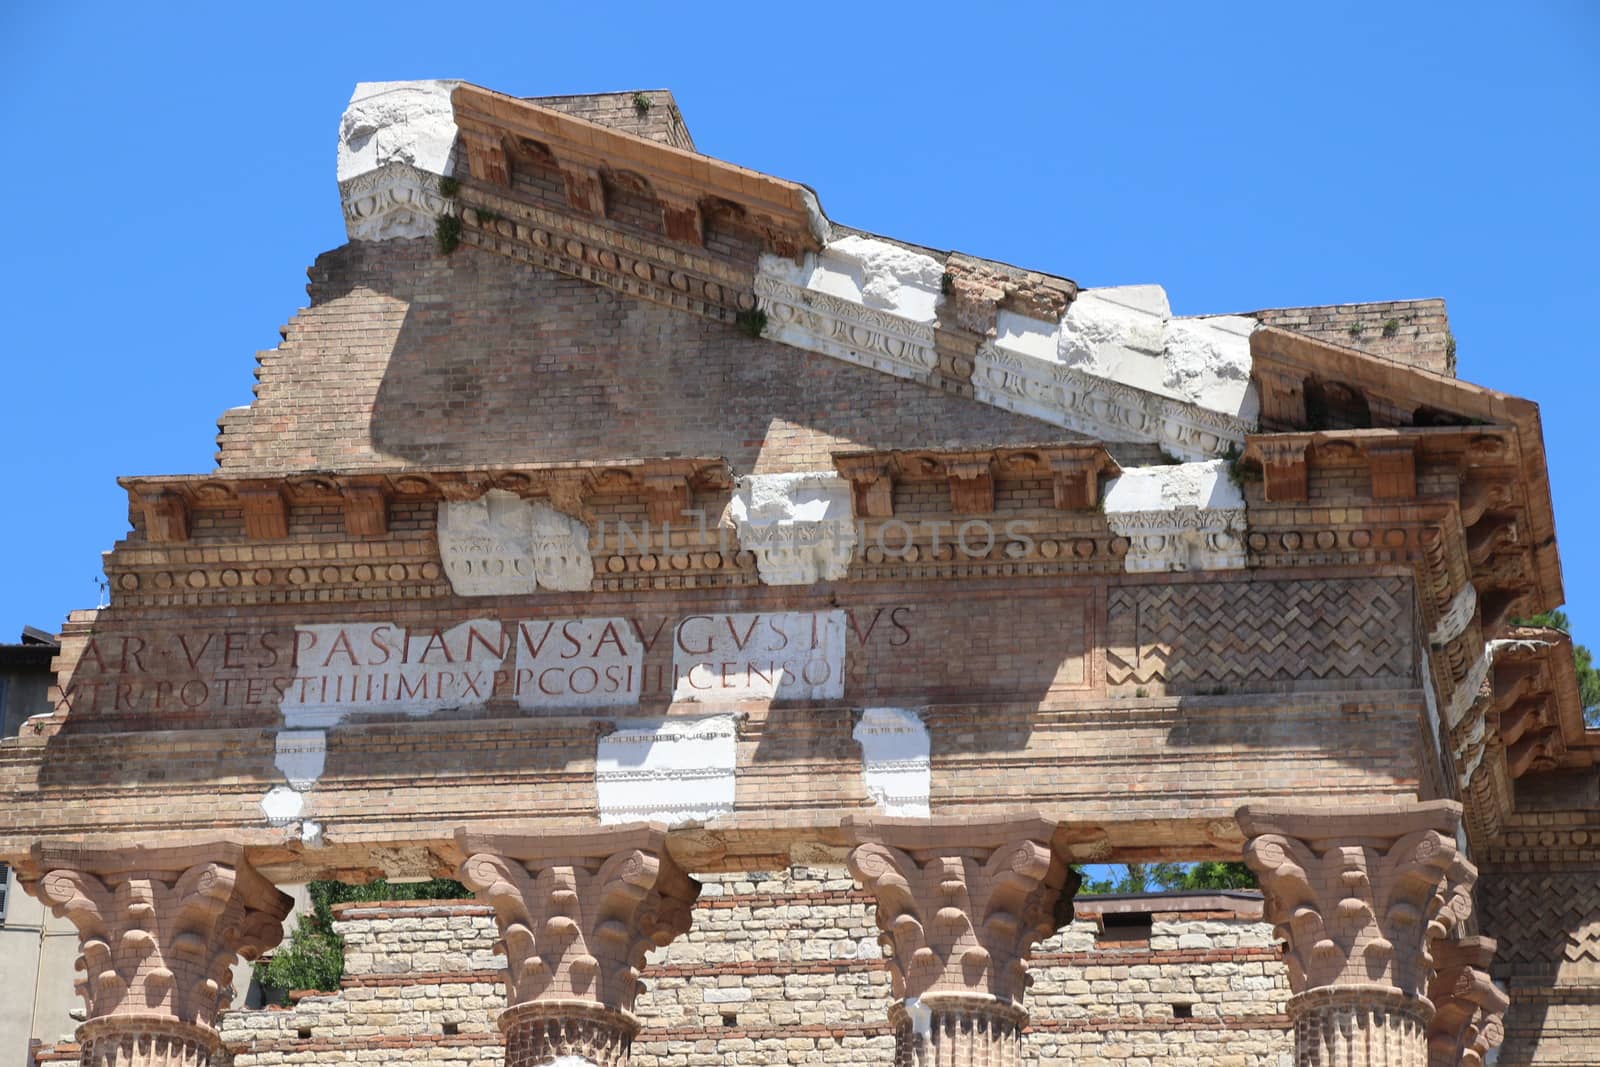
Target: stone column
<point x="960" y="905"/>
<point x="159" y="930"/>
<point x="1360" y="895"/>
<point x="577" y="913"/>
<point x="1468" y="1008"/>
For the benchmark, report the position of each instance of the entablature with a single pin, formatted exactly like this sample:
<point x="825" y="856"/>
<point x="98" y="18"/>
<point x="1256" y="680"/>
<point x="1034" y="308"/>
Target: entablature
<point x="497" y="128"/>
<point x="1073" y="471"/>
<point x="166" y="504"/>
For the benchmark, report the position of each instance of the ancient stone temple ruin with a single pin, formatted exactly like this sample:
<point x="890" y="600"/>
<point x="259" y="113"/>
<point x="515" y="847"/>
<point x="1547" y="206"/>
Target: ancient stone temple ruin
<point x="768" y="620"/>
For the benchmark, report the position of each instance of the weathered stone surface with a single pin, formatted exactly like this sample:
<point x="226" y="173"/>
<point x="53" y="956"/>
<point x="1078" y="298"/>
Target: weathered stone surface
<point x="501" y="544"/>
<point x="799" y="527"/>
<point x="1178" y="517"/>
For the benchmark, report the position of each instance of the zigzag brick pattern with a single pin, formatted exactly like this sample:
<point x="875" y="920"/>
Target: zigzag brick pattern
<point x="1245" y="633"/>
<point x="1543" y="922"/>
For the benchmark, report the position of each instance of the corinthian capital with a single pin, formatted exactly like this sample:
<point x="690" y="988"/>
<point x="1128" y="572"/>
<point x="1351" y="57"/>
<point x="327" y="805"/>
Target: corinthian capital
<point x="960" y="906"/>
<point x="1468" y="1008"/>
<point x="578" y="912"/>
<point x="159" y="929"/>
<point x="1360" y="894"/>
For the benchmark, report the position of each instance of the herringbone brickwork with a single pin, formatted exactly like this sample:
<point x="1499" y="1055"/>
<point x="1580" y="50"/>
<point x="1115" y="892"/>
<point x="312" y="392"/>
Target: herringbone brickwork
<point x="1240" y="634"/>
<point x="1545" y="924"/>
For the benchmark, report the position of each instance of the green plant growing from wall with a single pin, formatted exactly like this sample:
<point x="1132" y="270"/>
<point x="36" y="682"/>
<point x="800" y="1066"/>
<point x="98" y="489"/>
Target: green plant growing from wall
<point x="447" y="233"/>
<point x="642" y="104"/>
<point x="1240" y="472"/>
<point x="449" y="188"/>
<point x="1391" y="327"/>
<point x="313" y="955"/>
<point x="752" y="323"/>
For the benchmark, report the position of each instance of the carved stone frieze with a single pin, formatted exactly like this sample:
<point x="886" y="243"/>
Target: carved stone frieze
<point x="501" y="544"/>
<point x="394" y="201"/>
<point x="1101" y="408"/>
<point x="843" y="329"/>
<point x="800" y="527"/>
<point x="1182" y="539"/>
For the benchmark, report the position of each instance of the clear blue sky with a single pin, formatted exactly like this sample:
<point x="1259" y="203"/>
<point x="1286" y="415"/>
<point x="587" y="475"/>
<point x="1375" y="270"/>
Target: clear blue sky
<point x="169" y="174"/>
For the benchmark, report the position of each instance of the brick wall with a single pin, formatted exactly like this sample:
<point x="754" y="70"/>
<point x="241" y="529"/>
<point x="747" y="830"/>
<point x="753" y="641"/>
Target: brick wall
<point x="409" y="358"/>
<point x="785" y="968"/>
<point x="1416" y="332"/>
<point x="651" y="113"/>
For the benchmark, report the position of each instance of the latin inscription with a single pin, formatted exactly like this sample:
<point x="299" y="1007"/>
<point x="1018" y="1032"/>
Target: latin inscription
<point x="791" y="655"/>
<point x="319" y="674"/>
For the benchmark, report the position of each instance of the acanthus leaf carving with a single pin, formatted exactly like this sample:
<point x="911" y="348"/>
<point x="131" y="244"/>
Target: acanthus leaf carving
<point x="577" y="926"/>
<point x="1360" y="900"/>
<point x="160" y="940"/>
<point x="960" y="921"/>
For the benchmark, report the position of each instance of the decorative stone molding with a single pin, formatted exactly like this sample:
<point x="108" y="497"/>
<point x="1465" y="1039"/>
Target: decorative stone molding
<point x="1181" y="517"/>
<point x="166" y="516"/>
<point x="578" y="912"/>
<point x="895" y="760"/>
<point x="394" y="201"/>
<point x="668" y="770"/>
<point x="364" y="497"/>
<point x="1103" y="409"/>
<point x="1469" y="1010"/>
<point x="783" y="214"/>
<point x="395" y="140"/>
<point x="145" y="1041"/>
<point x="1073" y="470"/>
<point x="301" y="757"/>
<point x="1463" y="608"/>
<point x="1360" y="894"/>
<point x="957" y="1030"/>
<point x="981" y="288"/>
<point x="588" y="248"/>
<point x="366" y="510"/>
<point x="833" y="326"/>
<point x="502" y="545"/>
<point x="960" y="906"/>
<point x="799" y="527"/>
<point x="266" y="516"/>
<point x="159" y="931"/>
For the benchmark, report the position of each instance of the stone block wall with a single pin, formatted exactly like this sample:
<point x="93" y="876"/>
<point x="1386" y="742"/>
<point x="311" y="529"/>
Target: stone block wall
<point x="785" y="968"/>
